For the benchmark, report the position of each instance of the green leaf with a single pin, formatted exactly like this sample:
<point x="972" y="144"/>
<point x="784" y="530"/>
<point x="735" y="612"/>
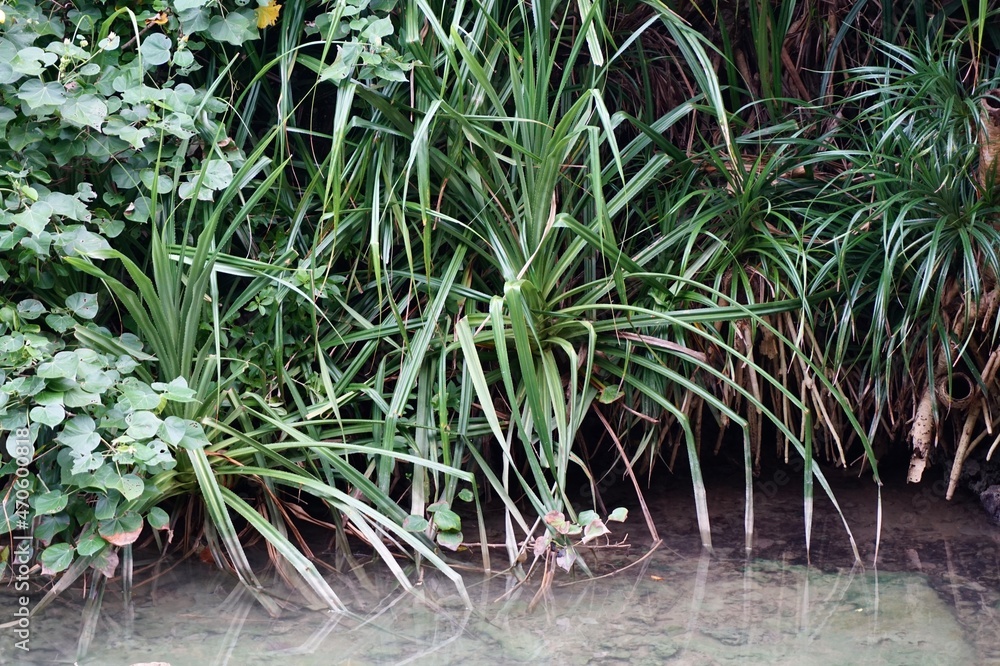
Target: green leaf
<point x="105" y="562"/>
<point x="183" y="5"/>
<point x="80" y="434"/>
<point x="447" y="520"/>
<point x="594" y="529"/>
<point x="450" y="540"/>
<point x="50" y="415"/>
<point x="35" y="218"/>
<point x="63" y="364"/>
<point x="173" y="430"/>
<point x="139" y="395"/>
<point x="30" y="309"/>
<point x="377" y="30"/>
<point x="177" y="390"/>
<point x="587" y="517"/>
<point x="143" y="425"/>
<point x="135" y="136"/>
<point x="49" y="503"/>
<point x="60" y="323"/>
<point x="465" y="495"/>
<point x="414" y="523"/>
<point x="194" y="436"/>
<point x="49" y="526"/>
<point x="77" y="241"/>
<point x="32" y="61"/>
<point x="343" y="65"/>
<point x="122" y="530"/>
<point x="90" y="544"/>
<point x="37" y="94"/>
<point x="218" y="174"/>
<point x="85" y="111"/>
<point x="77" y="397"/>
<point x="619" y="515"/>
<point x="610" y="394"/>
<point x="191" y="188"/>
<point x="155" y="452"/>
<point x="131" y="486"/>
<point x="235" y="28"/>
<point x="155" y="50"/>
<point x="106" y="506"/>
<point x="67" y="206"/>
<point x="83" y="305"/>
<point x="158" y="518"/>
<point x="109" y="43"/>
<point x="56" y="558"/>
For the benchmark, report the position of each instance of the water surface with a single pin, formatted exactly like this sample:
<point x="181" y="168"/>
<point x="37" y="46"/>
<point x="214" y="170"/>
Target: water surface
<point x="933" y="599"/>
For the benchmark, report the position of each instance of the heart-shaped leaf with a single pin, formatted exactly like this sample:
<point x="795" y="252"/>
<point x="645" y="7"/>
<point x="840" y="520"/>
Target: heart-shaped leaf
<point x="49" y="503"/>
<point x="123" y="530"/>
<point x="56" y="558"/>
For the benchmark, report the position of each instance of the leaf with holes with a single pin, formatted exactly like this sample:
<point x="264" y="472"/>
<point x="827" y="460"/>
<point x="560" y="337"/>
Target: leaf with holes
<point x="131" y="486"/>
<point x="82" y="304"/>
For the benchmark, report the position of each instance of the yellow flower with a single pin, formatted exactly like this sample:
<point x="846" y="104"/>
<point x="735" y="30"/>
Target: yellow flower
<point x="267" y="14"/>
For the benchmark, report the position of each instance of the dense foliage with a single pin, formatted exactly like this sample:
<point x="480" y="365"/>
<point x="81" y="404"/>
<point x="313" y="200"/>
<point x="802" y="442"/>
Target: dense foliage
<point x="368" y="261"/>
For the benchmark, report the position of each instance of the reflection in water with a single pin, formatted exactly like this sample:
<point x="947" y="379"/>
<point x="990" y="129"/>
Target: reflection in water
<point x="934" y="600"/>
<point x="670" y="609"/>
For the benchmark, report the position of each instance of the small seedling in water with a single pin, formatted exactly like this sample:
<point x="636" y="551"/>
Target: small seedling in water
<point x="447" y="523"/>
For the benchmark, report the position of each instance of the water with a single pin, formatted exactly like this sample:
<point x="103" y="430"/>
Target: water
<point x="934" y="599"/>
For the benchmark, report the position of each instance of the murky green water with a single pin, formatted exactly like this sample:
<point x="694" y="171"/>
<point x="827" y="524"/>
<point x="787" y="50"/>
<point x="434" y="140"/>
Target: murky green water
<point x="936" y="600"/>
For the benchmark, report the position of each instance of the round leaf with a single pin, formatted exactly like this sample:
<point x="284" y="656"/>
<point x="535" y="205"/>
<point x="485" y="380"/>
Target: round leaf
<point x="158" y="518"/>
<point x="131" y="486"/>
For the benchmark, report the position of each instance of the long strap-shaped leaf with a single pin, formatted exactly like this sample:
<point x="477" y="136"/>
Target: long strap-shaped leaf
<point x="305" y="568"/>
<point x="419" y="345"/>
<point x="215" y="504"/>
